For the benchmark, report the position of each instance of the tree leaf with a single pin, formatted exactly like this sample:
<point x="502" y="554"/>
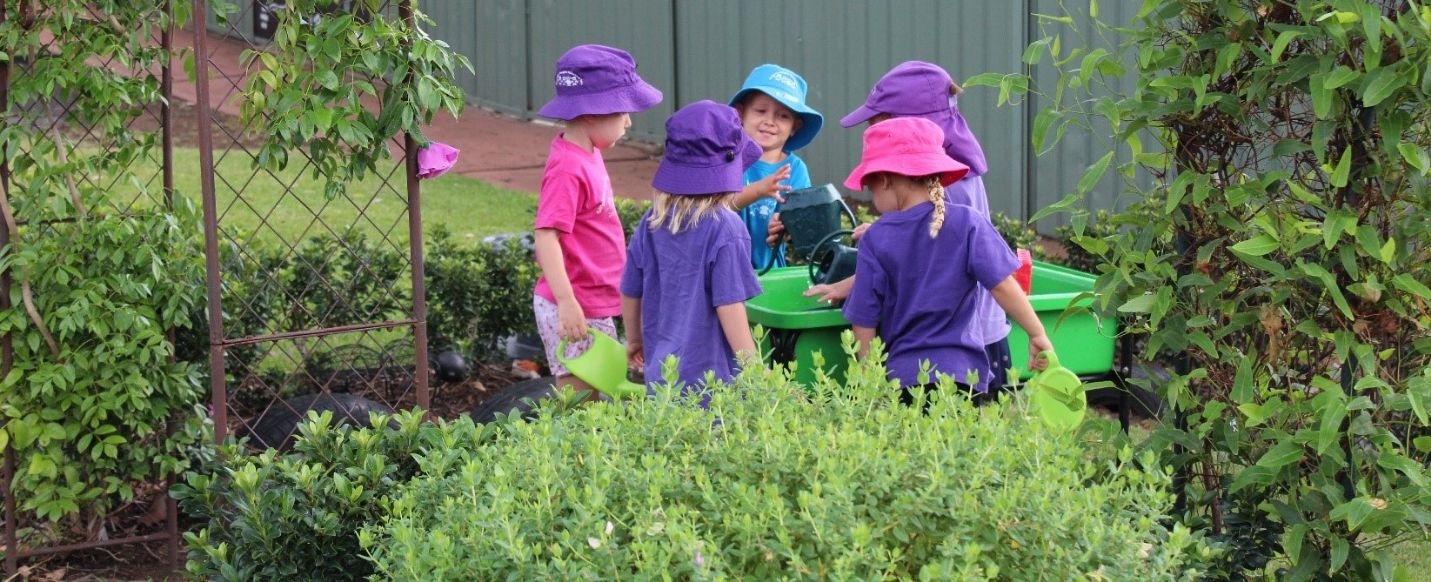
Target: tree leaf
<point x="1341" y="77"/>
<point x="1408" y="284"/>
<point x="1282" y="454"/>
<point x="1280" y="45"/>
<point x="1321" y="95"/>
<point x="1094" y="173"/>
<point x="1256" y="246"/>
<point x="1343" y="169"/>
<point x="1381" y="84"/>
<point x="1140" y="304"/>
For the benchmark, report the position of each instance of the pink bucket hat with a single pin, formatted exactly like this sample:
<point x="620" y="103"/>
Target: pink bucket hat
<point x="592" y="79"/>
<point x="435" y="159"/>
<point x="909" y="146"/>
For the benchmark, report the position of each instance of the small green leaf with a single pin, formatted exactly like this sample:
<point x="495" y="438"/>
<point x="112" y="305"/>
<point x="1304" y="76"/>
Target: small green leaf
<point x="1321" y="95"/>
<point x="1282" y="454"/>
<point x="1343" y="169"/>
<point x="1280" y="45"/>
<point x="1408" y="284"/>
<point x="1094" y="173"/>
<point x="1256" y="246"/>
<point x="1381" y="84"/>
<point x="1414" y="155"/>
<point x="1139" y="304"/>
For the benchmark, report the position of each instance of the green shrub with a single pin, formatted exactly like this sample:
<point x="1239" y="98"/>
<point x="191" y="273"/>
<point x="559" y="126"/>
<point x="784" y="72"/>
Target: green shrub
<point x="1019" y="235"/>
<point x="478" y="295"/>
<point x="849" y="486"/>
<point x="630" y="212"/>
<point x="296" y="516"/>
<point x="1281" y="260"/>
<point x="93" y="416"/>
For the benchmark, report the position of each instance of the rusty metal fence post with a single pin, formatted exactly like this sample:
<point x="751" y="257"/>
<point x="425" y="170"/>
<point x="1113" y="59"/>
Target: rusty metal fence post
<point x="325" y="350"/>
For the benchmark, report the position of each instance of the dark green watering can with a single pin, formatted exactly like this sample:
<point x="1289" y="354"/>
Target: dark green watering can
<point x="810" y="216"/>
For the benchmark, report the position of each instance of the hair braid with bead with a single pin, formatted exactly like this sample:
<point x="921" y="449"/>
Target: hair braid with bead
<point x="936" y="196"/>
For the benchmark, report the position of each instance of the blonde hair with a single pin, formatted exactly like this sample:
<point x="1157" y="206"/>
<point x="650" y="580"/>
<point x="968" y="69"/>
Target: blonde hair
<point x="936" y="196"/>
<point x="678" y="212"/>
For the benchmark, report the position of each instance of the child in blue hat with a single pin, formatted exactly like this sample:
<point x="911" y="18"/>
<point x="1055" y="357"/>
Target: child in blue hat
<point x="687" y="272"/>
<point x="774" y="114"/>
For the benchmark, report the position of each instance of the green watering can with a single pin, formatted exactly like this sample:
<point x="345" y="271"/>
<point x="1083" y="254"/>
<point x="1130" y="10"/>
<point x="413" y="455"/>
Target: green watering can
<point x="1057" y="395"/>
<point x="811" y="216"/>
<point x="603" y="366"/>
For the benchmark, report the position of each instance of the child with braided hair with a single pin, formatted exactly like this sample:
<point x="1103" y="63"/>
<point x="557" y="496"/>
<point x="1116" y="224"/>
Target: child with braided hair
<point x="921" y="89"/>
<point x="921" y="263"/>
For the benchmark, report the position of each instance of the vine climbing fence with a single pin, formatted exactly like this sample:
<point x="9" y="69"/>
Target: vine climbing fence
<point x="191" y="217"/>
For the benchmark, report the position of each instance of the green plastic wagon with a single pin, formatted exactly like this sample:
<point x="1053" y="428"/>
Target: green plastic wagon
<point x="800" y="331"/>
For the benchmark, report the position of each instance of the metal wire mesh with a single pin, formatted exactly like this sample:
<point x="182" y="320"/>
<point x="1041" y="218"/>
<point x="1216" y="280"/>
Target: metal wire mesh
<point x="316" y="294"/>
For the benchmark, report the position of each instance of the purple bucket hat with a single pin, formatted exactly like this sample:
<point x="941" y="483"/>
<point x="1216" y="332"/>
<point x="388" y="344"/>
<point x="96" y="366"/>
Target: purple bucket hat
<point x="707" y="151"/>
<point x="920" y="89"/>
<point x="435" y="159"/>
<point x="592" y="79"/>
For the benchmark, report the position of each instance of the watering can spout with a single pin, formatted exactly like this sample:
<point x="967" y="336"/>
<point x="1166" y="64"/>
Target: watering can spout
<point x="603" y="366"/>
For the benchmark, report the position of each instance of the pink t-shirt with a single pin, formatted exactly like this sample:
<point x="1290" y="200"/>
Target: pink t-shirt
<point x="576" y="200"/>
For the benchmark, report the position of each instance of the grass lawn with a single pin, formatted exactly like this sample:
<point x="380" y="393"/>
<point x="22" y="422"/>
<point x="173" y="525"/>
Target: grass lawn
<point x="470" y="208"/>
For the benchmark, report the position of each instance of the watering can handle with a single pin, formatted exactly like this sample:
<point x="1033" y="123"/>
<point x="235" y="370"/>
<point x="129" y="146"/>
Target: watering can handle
<point x="1051" y="357"/>
<point x="850" y="213"/>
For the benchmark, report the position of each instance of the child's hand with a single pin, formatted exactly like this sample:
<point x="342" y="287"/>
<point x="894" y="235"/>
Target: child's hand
<point x="635" y="356"/>
<point x="774" y="231"/>
<point x="832" y="293"/>
<point x="770" y="186"/>
<point x="1037" y="346"/>
<point x="572" y="320"/>
<point x="860" y="231"/>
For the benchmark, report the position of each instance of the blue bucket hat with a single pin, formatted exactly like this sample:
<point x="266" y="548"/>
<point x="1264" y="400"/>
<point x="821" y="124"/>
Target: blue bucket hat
<point x="787" y="87"/>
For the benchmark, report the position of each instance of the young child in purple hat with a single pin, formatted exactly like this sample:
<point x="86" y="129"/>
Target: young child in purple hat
<point x="921" y="262"/>
<point x="921" y="89"/>
<point x="579" y="240"/>
<point x="688" y="269"/>
<point x="772" y="109"/>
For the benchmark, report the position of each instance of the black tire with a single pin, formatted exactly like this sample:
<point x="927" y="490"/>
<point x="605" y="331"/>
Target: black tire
<point x="280" y="423"/>
<point x="520" y="398"/>
<point x="1143" y="403"/>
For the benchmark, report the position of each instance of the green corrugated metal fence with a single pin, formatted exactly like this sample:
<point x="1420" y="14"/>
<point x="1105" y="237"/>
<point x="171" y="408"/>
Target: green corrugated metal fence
<point x="702" y="49"/>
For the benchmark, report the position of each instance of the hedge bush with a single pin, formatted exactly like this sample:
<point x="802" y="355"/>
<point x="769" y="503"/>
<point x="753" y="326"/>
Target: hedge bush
<point x="296" y="516"/>
<point x="776" y="483"/>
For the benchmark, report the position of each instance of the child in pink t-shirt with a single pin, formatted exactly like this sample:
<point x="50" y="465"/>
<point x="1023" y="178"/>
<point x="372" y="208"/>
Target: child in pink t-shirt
<point x="579" y="243"/>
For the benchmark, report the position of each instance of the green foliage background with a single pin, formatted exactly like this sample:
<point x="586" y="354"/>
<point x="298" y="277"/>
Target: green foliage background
<point x="1278" y="262"/>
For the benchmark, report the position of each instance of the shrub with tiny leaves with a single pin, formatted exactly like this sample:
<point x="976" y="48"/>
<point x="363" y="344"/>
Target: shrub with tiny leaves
<point x="774" y="482"/>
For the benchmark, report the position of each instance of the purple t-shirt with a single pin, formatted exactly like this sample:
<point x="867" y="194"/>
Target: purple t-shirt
<point x="681" y="279"/>
<point x="969" y="191"/>
<point x="921" y="295"/>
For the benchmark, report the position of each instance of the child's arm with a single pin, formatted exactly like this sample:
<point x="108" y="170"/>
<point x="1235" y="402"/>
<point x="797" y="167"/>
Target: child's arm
<point x="551" y="260"/>
<point x="863" y="337"/>
<point x="736" y="326"/>
<point x="768" y="186"/>
<point x="1011" y="297"/>
<point x="631" y="321"/>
